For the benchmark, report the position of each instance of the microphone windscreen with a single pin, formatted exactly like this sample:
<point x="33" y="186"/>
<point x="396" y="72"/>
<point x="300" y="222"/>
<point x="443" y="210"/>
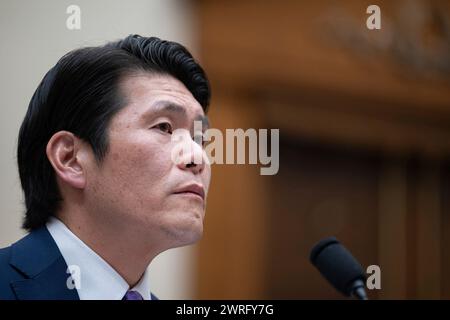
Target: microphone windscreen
<point x="337" y="264"/>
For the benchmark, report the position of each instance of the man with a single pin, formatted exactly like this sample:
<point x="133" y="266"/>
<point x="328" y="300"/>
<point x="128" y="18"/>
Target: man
<point x="103" y="196"/>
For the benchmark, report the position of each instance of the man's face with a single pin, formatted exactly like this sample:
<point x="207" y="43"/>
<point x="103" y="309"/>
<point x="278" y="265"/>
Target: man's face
<point x="138" y="186"/>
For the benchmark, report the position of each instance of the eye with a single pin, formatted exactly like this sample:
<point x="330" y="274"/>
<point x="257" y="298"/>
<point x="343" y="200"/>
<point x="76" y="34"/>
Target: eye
<point x="164" y="127"/>
<point x="198" y="138"/>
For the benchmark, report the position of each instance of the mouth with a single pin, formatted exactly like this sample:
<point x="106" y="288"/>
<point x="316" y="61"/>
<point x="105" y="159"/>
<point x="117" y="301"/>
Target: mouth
<point x="193" y="190"/>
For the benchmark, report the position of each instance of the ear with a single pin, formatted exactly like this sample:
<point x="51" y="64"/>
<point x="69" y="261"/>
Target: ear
<point x="66" y="154"/>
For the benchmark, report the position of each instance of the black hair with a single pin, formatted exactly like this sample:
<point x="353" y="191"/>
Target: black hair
<point x="81" y="94"/>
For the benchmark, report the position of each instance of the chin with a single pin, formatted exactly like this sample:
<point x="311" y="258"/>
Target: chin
<point x="193" y="233"/>
<point x="185" y="232"/>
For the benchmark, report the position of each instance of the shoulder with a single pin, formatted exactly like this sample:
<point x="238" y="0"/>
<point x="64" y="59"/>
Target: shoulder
<point x="18" y="260"/>
<point x="8" y="274"/>
<point x="5" y="256"/>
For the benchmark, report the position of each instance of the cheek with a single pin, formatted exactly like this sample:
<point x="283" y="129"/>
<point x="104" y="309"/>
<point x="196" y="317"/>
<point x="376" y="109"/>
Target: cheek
<point x="146" y="162"/>
<point x="137" y="168"/>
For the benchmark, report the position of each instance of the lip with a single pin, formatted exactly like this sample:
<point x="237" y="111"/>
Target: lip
<point x="196" y="189"/>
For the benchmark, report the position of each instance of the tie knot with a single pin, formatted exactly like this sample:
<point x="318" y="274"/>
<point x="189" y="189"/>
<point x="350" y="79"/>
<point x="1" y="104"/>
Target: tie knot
<point x="132" y="295"/>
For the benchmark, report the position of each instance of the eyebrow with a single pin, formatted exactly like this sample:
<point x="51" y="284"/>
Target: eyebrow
<point x="172" y="107"/>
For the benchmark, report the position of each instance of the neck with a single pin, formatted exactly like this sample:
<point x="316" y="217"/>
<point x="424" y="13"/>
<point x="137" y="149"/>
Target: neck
<point x="120" y="246"/>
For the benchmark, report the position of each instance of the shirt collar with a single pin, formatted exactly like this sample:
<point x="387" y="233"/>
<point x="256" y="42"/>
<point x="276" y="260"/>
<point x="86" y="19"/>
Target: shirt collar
<point x="97" y="279"/>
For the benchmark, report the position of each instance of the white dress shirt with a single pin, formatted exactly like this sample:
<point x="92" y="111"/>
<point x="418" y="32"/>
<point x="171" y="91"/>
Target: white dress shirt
<point x="97" y="279"/>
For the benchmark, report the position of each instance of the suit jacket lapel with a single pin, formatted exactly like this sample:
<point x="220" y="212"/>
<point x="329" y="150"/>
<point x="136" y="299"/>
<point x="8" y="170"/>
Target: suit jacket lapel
<point x="38" y="258"/>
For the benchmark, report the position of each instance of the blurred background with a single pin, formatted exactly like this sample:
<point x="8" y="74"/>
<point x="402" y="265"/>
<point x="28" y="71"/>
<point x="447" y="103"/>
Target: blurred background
<point x="364" y="119"/>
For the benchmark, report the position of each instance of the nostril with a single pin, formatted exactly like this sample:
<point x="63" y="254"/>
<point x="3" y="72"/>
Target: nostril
<point x="190" y="165"/>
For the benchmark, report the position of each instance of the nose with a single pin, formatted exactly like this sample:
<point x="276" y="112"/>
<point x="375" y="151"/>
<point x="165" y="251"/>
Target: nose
<point x="194" y="159"/>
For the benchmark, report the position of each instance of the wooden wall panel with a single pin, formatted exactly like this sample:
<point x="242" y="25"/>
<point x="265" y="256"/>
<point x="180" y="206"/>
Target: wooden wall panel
<point x="373" y="119"/>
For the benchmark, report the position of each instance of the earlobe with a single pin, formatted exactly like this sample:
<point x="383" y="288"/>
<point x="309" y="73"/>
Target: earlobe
<point x="63" y="150"/>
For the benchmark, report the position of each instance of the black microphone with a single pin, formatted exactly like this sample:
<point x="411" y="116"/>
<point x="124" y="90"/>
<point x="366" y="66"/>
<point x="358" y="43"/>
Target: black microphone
<point x="339" y="267"/>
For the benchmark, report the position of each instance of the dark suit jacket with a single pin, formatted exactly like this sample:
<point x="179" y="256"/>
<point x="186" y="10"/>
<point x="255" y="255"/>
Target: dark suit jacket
<point x="34" y="269"/>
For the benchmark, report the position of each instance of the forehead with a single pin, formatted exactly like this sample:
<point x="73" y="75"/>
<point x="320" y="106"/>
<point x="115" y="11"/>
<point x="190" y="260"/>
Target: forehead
<point x="143" y="90"/>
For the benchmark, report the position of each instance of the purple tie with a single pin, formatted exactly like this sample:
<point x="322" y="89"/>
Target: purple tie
<point x="132" y="295"/>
